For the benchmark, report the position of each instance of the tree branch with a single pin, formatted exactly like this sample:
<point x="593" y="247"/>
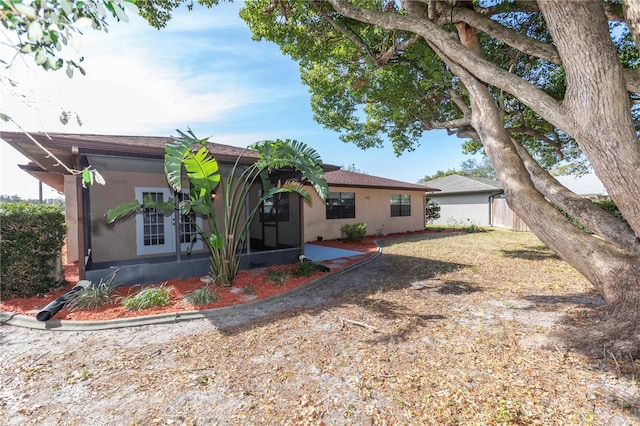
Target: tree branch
<point x="513" y="38"/>
<point x="530" y="95"/>
<point x="603" y="224"/>
<point x="355" y="39"/>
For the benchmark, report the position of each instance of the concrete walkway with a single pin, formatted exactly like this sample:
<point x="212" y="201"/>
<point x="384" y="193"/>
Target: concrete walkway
<point x="319" y="253"/>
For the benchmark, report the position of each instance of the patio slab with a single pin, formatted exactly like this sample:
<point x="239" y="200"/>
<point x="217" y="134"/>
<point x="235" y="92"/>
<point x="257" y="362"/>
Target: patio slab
<point x="319" y="253"/>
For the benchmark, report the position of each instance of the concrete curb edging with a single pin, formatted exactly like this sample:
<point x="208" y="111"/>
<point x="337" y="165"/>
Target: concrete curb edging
<point x="19" y="320"/>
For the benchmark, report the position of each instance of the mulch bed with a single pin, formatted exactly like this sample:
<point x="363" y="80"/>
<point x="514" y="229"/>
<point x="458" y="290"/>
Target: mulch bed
<point x="249" y="286"/>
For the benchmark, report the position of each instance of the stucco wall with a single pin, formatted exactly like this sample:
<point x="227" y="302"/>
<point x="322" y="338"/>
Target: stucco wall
<point x="372" y="208"/>
<point x="463" y="209"/>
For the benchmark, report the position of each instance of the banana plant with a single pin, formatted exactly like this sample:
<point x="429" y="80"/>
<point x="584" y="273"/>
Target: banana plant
<point x="226" y="236"/>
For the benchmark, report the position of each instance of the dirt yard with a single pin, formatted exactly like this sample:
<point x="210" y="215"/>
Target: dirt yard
<point x="439" y="330"/>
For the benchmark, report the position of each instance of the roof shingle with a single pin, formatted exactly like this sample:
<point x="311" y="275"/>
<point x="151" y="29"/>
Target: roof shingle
<point x="458" y="184"/>
<point x="359" y="180"/>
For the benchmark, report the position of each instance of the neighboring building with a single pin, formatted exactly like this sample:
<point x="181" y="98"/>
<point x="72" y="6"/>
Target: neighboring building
<point x="465" y="200"/>
<point x="144" y="247"/>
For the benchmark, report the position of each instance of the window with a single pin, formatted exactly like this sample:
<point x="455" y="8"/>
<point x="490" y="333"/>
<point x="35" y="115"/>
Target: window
<point x="400" y="205"/>
<point x="155" y="231"/>
<point x="276" y="208"/>
<point x="341" y="205"/>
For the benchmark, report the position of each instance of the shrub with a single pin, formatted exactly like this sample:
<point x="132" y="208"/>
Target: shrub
<point x="277" y="276"/>
<point x="432" y="211"/>
<point x="147" y="298"/>
<point x="306" y="269"/>
<point x="93" y="296"/>
<point x="201" y="296"/>
<point x="353" y="233"/>
<point x="609" y="206"/>
<point x="32" y="238"/>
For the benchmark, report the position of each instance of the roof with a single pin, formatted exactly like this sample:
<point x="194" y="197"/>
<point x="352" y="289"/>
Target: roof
<point x="585" y="185"/>
<point x="458" y="184"/>
<point x="345" y="178"/>
<point x="67" y="146"/>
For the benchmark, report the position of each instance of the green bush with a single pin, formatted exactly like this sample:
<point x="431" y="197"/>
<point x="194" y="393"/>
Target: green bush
<point x="306" y="269"/>
<point x="353" y="233"/>
<point x="432" y="211"/>
<point x="609" y="206"/>
<point x="31" y="240"/>
<point x="201" y="296"/>
<point x="92" y="296"/>
<point x="147" y="298"/>
<point x="606" y="205"/>
<point x="277" y="276"/>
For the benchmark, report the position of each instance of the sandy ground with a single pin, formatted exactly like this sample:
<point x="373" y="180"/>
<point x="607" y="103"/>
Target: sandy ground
<point x="394" y="342"/>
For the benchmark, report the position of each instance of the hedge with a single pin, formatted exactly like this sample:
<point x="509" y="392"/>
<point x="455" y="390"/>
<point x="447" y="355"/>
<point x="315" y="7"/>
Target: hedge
<point x="31" y="240"/>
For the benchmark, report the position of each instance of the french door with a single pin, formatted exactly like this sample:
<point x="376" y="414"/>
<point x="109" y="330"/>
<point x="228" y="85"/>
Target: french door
<point x="155" y="230"/>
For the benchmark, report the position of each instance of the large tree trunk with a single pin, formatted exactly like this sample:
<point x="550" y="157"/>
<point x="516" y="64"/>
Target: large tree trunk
<point x="612" y="264"/>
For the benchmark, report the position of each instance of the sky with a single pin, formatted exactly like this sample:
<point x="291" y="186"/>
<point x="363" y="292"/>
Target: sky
<point x="203" y="72"/>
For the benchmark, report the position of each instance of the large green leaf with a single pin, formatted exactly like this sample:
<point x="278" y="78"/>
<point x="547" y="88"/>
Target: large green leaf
<point x="279" y="154"/>
<point x="203" y="171"/>
<point x="202" y="168"/>
<point x="122" y="211"/>
<point x="288" y="186"/>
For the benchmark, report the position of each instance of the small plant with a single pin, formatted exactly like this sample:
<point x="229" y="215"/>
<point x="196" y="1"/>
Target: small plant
<point x="277" y="276"/>
<point x="472" y="228"/>
<point x="353" y="233"/>
<point x="93" y="296"/>
<point x="306" y="269"/>
<point x="432" y="211"/>
<point x="147" y="298"/>
<point x="201" y="296"/>
<point x="85" y="374"/>
<point x="249" y="290"/>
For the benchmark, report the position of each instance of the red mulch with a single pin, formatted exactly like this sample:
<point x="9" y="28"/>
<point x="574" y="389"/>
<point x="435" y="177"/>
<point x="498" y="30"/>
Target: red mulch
<point x="256" y="279"/>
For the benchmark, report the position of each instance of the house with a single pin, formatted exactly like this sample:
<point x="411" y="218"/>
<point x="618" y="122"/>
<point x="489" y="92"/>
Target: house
<point x="387" y="206"/>
<point x="149" y="246"/>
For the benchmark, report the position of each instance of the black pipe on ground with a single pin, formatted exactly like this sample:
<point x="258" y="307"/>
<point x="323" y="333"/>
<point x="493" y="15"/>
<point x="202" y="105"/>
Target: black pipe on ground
<point x="54" y="307"/>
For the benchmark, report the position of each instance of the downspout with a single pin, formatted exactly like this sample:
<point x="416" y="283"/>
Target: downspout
<point x="82" y="258"/>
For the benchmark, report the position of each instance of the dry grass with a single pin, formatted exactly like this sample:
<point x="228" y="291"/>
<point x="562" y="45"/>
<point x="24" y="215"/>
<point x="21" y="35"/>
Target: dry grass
<point x="464" y="334"/>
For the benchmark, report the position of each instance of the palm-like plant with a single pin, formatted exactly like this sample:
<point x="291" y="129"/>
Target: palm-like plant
<point x="228" y="234"/>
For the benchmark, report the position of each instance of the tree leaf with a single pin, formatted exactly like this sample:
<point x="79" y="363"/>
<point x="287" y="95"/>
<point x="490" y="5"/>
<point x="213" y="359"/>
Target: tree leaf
<point x="26" y="10"/>
<point x="34" y="32"/>
<point x="122" y="211"/>
<point x="216" y="241"/>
